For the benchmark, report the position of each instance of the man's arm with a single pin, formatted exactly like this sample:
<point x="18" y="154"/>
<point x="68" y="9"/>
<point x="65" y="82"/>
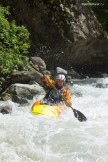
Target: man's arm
<point x="48" y="81"/>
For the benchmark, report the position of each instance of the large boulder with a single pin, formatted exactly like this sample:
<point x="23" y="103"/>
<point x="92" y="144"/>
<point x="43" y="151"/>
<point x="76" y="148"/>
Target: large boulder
<point x="22" y="93"/>
<point x="26" y="76"/>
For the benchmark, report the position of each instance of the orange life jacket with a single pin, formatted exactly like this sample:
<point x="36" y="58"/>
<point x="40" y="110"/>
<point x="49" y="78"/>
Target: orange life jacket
<point x="64" y="91"/>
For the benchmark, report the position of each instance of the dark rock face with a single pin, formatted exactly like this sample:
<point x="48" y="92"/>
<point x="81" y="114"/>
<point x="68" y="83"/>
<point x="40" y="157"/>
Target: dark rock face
<point x="63" y="35"/>
<point x="88" y="56"/>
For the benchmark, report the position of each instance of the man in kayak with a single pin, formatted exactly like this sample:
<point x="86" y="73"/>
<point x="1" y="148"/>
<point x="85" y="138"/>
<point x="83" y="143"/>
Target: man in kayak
<point x="54" y="95"/>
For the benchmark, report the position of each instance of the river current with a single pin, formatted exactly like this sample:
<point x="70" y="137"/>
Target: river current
<point x="25" y="137"/>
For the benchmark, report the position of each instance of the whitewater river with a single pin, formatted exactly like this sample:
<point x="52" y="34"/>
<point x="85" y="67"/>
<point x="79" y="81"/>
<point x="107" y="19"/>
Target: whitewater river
<point x="28" y="138"/>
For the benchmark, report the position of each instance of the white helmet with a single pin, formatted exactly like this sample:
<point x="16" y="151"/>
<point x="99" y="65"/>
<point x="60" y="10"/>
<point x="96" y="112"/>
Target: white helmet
<point x="61" y="77"/>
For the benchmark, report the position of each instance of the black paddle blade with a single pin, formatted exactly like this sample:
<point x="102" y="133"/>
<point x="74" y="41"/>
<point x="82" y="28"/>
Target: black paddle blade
<point x="79" y="115"/>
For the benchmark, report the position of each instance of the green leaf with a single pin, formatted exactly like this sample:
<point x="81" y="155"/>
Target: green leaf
<point x="14" y="44"/>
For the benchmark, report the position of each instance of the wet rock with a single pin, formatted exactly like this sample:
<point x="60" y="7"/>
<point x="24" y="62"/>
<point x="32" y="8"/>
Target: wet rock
<point x="101" y="85"/>
<point x="20" y="100"/>
<point x="5" y="107"/>
<point x="21" y="93"/>
<point x="26" y="76"/>
<point x="47" y="72"/>
<point x="38" y="63"/>
<point x="61" y="71"/>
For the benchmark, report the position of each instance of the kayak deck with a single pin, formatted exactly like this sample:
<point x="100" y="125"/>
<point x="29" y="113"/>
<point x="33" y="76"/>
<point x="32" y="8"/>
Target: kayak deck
<point x="44" y="109"/>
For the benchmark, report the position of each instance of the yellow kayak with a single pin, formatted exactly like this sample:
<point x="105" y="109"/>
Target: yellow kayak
<point x="44" y="109"/>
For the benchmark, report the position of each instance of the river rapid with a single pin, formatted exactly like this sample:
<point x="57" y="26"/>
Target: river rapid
<point x="25" y="137"/>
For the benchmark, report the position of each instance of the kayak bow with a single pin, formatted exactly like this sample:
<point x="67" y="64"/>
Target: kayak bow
<point x="45" y="109"/>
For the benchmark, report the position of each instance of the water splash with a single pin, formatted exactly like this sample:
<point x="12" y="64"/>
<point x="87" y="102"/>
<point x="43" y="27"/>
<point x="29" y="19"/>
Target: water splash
<point x="25" y="137"/>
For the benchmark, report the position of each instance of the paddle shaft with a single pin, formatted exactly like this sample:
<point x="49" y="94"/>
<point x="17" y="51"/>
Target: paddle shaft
<point x="58" y="92"/>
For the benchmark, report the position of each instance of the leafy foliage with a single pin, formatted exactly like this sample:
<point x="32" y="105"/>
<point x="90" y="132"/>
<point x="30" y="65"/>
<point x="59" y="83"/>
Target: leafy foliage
<point x="14" y="44"/>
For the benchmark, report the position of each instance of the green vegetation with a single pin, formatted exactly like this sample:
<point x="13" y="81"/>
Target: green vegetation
<point x="14" y="44"/>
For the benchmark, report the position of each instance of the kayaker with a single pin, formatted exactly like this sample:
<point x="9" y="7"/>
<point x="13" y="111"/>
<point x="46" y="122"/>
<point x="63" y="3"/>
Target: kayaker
<point x="52" y="96"/>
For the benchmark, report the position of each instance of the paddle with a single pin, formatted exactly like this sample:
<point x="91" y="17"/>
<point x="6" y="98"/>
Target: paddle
<point x="81" y="117"/>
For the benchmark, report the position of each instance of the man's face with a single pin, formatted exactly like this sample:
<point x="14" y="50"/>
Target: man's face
<point x="59" y="83"/>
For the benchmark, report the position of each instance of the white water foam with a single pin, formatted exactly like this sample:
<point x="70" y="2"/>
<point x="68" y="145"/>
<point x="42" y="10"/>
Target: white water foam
<point x="28" y="138"/>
